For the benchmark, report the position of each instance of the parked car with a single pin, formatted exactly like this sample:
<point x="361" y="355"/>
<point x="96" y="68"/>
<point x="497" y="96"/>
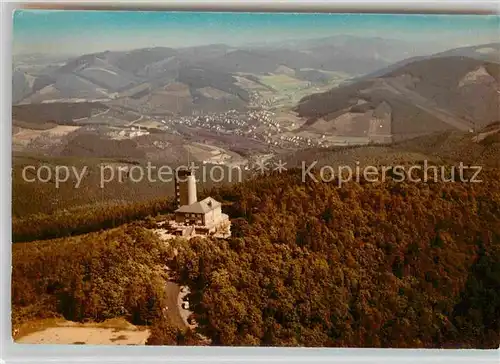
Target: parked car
<point x="185" y="305"/>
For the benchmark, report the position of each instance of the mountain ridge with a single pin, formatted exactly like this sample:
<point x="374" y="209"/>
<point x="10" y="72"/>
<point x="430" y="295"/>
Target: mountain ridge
<point x="440" y="92"/>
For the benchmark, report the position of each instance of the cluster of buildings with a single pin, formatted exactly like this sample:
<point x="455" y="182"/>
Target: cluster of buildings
<point x="129" y="133"/>
<point x="229" y="120"/>
<point x="259" y="125"/>
<point x="266" y="118"/>
<point x="256" y="100"/>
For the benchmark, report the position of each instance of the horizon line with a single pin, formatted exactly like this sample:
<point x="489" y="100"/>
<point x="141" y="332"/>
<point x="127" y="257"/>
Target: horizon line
<point x="251" y="44"/>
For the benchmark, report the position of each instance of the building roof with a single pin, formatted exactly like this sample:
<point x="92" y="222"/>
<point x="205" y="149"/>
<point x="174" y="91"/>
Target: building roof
<point x="200" y="207"/>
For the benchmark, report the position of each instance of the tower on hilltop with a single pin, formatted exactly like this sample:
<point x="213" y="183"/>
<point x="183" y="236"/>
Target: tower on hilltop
<point x="185" y="187"/>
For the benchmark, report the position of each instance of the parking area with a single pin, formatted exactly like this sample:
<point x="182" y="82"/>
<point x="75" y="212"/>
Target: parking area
<point x="183" y="305"/>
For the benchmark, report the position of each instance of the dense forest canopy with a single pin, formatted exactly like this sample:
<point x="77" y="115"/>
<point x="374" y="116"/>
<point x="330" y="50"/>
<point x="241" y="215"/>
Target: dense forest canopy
<point x="392" y="264"/>
<point x="97" y="276"/>
<point x="370" y="265"/>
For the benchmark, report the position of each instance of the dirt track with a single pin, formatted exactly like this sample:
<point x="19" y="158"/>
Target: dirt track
<point x="173" y="313"/>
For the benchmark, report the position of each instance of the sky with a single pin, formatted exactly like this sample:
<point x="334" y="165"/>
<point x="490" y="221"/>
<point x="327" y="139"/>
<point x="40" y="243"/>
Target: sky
<point x="84" y="31"/>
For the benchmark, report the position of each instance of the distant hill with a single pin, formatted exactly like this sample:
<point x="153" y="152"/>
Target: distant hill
<point x="57" y="113"/>
<point x="144" y="73"/>
<point x="343" y="53"/>
<point x="172" y="81"/>
<point x="485" y="52"/>
<point x="423" y="96"/>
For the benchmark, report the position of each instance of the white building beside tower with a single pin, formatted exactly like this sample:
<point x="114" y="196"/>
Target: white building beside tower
<point x="193" y="217"/>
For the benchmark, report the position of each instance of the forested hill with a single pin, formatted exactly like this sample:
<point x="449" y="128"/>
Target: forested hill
<point x="392" y="264"/>
<point x="309" y="264"/>
<point x="365" y="265"/>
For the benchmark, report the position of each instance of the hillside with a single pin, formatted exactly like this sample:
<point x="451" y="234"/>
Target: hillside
<point x="449" y="148"/>
<point x="484" y="52"/>
<point x="392" y="264"/>
<point x="141" y="75"/>
<point x="84" y="191"/>
<point x="424" y="96"/>
<point x="368" y="265"/>
<point x="47" y="202"/>
<point x="344" y="53"/>
<point x="57" y="113"/>
<point x="109" y="75"/>
<point x="93" y="277"/>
